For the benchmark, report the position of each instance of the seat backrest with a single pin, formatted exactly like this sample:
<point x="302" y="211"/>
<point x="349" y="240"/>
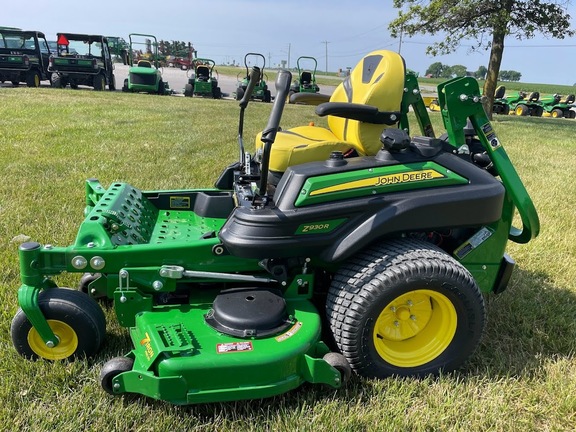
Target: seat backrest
<point x="203" y="73"/>
<point x="305" y="77"/>
<point x="377" y="80"/>
<point x="144" y="63"/>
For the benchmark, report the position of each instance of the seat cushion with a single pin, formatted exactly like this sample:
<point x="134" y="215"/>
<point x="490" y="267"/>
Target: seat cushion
<point x="304" y="144"/>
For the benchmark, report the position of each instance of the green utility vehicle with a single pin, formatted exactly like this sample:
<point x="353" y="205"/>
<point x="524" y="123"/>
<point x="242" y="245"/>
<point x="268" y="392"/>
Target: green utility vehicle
<point x="261" y="91"/>
<point x="144" y="75"/>
<point x="370" y="252"/>
<point x="23" y="57"/>
<point x="556" y="107"/>
<point x="203" y="82"/>
<point x="82" y="59"/>
<point x="306" y="82"/>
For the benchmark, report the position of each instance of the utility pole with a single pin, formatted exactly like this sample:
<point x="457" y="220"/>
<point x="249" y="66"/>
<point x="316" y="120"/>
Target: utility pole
<point x="326" y="47"/>
<point x="289" y="56"/>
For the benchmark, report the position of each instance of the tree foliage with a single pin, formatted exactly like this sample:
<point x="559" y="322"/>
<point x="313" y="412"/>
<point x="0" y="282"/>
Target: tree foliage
<point x="484" y="23"/>
<point x="510" y="75"/>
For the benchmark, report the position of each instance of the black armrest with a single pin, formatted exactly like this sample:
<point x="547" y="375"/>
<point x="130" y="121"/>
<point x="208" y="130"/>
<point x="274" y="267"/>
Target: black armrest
<point x="309" y="98"/>
<point x="360" y="112"/>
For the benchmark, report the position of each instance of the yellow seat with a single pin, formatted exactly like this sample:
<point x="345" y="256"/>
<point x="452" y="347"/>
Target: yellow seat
<point x="376" y="84"/>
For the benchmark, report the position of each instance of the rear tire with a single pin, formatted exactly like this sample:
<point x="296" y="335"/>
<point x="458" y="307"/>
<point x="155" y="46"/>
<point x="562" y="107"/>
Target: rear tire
<point x="33" y="79"/>
<point x="521" y="110"/>
<point x="75" y="318"/>
<point x="189" y="90"/>
<point x="537" y="111"/>
<point x="99" y="82"/>
<point x="56" y="81"/>
<point x="405" y="308"/>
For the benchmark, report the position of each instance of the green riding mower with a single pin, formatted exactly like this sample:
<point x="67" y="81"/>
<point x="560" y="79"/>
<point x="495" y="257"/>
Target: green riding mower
<point x="556" y="107"/>
<point x="527" y="104"/>
<point x="144" y="74"/>
<point x="203" y="82"/>
<point x="502" y="103"/>
<point x="306" y="82"/>
<point x="352" y="248"/>
<point x="261" y="91"/>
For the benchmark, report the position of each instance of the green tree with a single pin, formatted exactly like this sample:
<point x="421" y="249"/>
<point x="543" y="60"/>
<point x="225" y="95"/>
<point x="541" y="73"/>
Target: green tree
<point x="435" y="70"/>
<point x="481" y="72"/>
<point x="510" y="75"/>
<point x="515" y="76"/>
<point x="458" y="70"/>
<point x="486" y="22"/>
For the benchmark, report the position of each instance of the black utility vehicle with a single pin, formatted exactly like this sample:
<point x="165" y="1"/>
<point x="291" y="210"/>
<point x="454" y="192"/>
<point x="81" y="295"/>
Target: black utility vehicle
<point x="23" y="57"/>
<point x="82" y="60"/>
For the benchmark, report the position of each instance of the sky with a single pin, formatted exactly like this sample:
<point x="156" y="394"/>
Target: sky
<point x="337" y="33"/>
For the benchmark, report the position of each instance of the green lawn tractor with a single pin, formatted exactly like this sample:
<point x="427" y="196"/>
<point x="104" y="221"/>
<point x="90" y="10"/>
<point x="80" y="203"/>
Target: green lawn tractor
<point x="261" y="91"/>
<point x="556" y="107"/>
<point x="144" y="75"/>
<point x="306" y="82"/>
<point x="23" y="57"/>
<point x="502" y="103"/>
<point x="82" y="59"/>
<point x="203" y="82"/>
<point x="370" y="252"/>
<point x="527" y="104"/>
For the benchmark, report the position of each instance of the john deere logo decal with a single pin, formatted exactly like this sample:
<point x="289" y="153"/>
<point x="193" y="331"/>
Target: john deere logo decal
<point x="407" y="177"/>
<point x="384" y="180"/>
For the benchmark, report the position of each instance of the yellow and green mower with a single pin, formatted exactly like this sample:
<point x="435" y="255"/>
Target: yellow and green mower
<point x="365" y="247"/>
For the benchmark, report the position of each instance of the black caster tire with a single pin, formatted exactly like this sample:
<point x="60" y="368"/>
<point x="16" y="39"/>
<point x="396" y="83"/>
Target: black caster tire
<point x="76" y="319"/>
<point x="113" y="368"/>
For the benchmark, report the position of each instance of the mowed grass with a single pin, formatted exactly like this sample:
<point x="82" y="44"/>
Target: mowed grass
<point x="522" y="377"/>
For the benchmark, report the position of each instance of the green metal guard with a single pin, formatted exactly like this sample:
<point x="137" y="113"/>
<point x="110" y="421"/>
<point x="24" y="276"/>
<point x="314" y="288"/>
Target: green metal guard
<point x="460" y="100"/>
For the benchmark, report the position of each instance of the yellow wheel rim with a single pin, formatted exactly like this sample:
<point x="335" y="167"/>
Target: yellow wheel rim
<point x="519" y="111"/>
<point x="68" y="341"/>
<point x="554" y="114"/>
<point x="415" y="328"/>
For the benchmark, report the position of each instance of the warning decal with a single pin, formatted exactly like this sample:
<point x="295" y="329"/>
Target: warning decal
<point x="234" y="347"/>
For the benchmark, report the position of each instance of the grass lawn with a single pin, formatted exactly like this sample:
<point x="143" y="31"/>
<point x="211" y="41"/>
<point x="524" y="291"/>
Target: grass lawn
<point x="522" y="377"/>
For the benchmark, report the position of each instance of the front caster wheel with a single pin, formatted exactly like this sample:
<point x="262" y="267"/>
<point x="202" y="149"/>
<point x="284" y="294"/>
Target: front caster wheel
<point x="76" y="320"/>
<point x="339" y="362"/>
<point x="112" y="369"/>
<point x="405" y="308"/>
